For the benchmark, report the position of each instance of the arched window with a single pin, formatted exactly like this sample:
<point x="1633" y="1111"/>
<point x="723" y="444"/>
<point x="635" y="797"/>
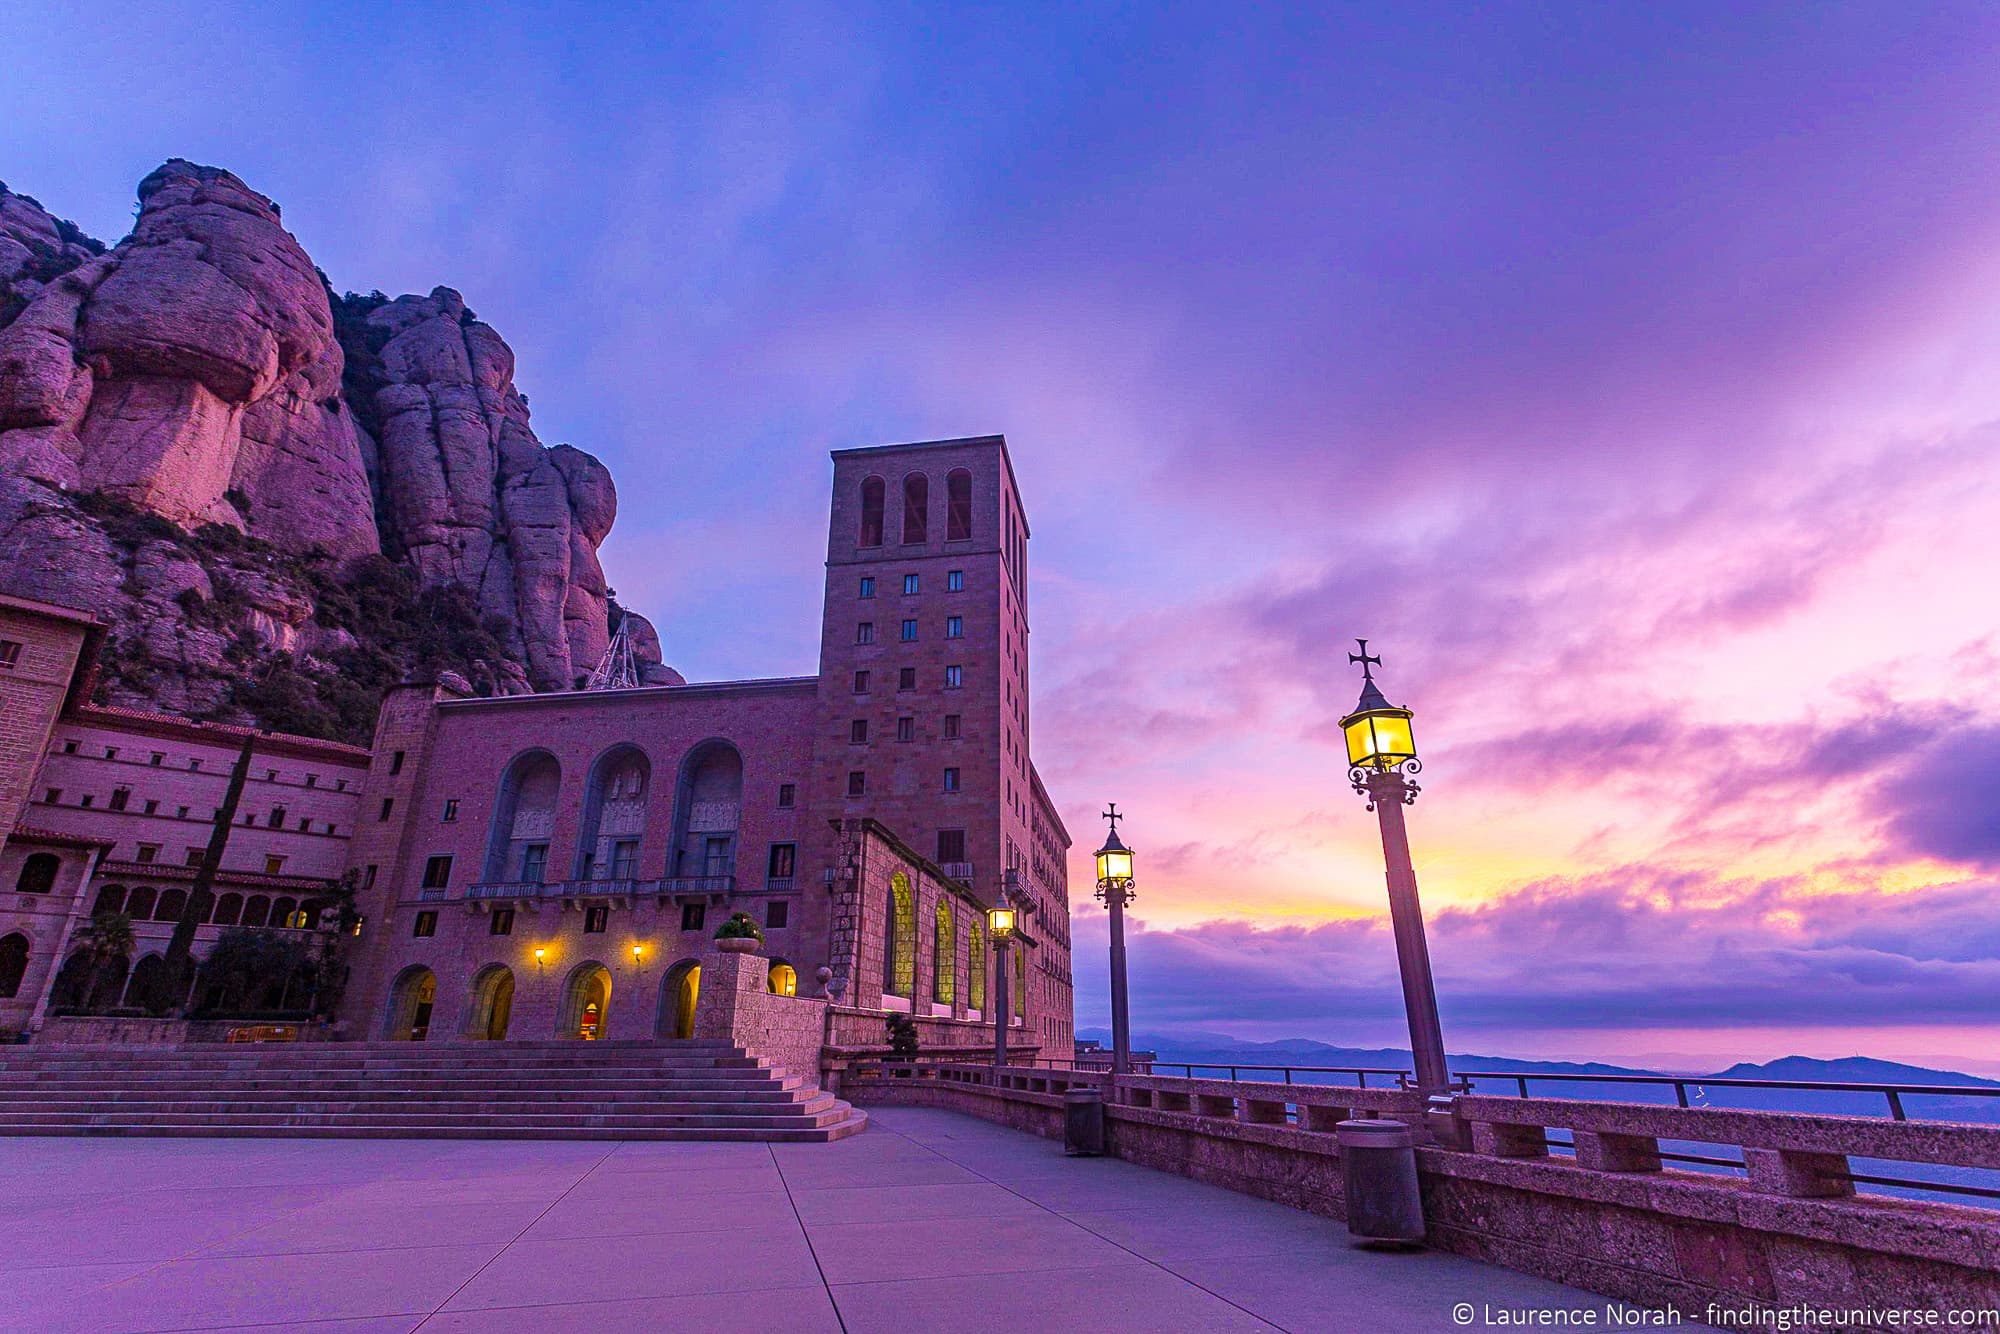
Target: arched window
<point x="38" y="874"/>
<point x="958" y="505"/>
<point x="614" y="815"/>
<point x="139" y="903"/>
<point x="944" y="956"/>
<point x="283" y="911"/>
<point x="256" y="911"/>
<point x="871" y="512"/>
<point x="170" y="906"/>
<point x="784" y="979"/>
<point x="524" y="820"/>
<point x="309" y="913"/>
<point x="229" y="910"/>
<point x="1020" y="988"/>
<point x="916" y="508"/>
<point x="899" y="973"/>
<point x="111" y="898"/>
<point x="975" y="965"/>
<point x="708" y="814"/>
<point x="13" y="964"/>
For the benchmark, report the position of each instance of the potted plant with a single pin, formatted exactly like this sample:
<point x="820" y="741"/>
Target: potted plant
<point x="902" y="1037"/>
<point x="738" y="935"/>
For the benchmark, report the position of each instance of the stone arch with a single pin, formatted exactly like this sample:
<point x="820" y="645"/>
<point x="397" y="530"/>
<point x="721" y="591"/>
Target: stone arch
<point x="783" y="979"/>
<point x="492" y="1004"/>
<point x="108" y="979"/>
<point x="412" y="998"/>
<point x="975" y="964"/>
<point x="110" y="898"/>
<point x="899" y="944"/>
<point x="139" y="902"/>
<point x="916" y="508"/>
<point x="586" y="1001"/>
<point x="284" y="912"/>
<point x="72" y="984"/>
<point x="873" y="492"/>
<point x="256" y="910"/>
<point x="958" y="505"/>
<point x="229" y="909"/>
<point x="944" y="954"/>
<point x="680" y="990"/>
<point x="13" y="964"/>
<point x="614" y="815"/>
<point x="172" y="903"/>
<point x="524" y="818"/>
<point x="708" y="808"/>
<point x="38" y="873"/>
<point x="148" y="985"/>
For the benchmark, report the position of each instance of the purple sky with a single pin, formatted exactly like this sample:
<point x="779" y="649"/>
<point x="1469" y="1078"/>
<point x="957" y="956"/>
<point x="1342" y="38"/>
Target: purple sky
<point x="1625" y="374"/>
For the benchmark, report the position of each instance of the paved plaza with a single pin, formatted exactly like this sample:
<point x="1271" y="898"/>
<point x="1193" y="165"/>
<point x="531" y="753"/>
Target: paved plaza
<point x="928" y="1220"/>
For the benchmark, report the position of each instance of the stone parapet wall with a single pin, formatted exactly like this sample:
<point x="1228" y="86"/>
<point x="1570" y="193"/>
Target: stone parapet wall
<point x="109" y="1031"/>
<point x="1611" y="1220"/>
<point x="787" y="1031"/>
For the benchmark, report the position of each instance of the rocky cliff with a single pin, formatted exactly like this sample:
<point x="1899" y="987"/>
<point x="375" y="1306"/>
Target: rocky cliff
<point x="282" y="500"/>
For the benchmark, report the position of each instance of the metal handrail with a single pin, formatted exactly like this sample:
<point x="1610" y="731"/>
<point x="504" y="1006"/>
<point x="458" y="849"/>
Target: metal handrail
<point x="1680" y="1084"/>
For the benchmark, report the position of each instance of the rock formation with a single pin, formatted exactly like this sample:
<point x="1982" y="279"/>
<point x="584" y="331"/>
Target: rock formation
<point x="203" y="444"/>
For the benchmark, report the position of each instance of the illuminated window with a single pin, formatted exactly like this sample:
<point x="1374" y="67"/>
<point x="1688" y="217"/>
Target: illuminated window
<point x="944" y="960"/>
<point x="899" y="973"/>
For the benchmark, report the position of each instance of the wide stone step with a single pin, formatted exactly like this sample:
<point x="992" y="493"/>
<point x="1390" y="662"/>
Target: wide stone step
<point x="427" y="1078"/>
<point x="231" y="1101"/>
<point x="202" y="1064"/>
<point x="385" y="1119"/>
<point x="852" y="1124"/>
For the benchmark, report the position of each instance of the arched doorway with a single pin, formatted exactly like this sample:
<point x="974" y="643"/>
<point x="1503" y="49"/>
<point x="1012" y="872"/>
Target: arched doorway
<point x="412" y="997"/>
<point x="492" y="1004"/>
<point x="13" y="964"/>
<point x="784" y="979"/>
<point x="586" y="1002"/>
<point x="147" y="989"/>
<point x="679" y="990"/>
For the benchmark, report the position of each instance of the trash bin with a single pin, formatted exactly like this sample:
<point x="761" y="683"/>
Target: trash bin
<point x="1083" y="1122"/>
<point x="1378" y="1159"/>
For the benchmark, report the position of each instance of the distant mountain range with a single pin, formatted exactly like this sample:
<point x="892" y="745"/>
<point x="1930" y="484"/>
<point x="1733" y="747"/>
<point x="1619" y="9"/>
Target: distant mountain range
<point x="1202" y="1048"/>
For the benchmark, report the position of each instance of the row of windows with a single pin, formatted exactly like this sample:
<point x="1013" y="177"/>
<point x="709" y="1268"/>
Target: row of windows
<point x="954" y="628"/>
<point x="121" y="800"/>
<point x="857" y="781"/>
<point x="158" y="758"/>
<point x="906" y="729"/>
<point x="954" y="582"/>
<point x="597" y="919"/>
<point x="142" y="903"/>
<point x="781" y="865"/>
<point x="916" y="508"/>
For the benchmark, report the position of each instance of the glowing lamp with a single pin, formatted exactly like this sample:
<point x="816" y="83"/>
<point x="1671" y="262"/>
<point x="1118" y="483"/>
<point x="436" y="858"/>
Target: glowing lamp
<point x="1000" y="919"/>
<point x="539" y="952"/>
<point x="1378" y="733"/>
<point x="635" y="954"/>
<point x="1114" y="862"/>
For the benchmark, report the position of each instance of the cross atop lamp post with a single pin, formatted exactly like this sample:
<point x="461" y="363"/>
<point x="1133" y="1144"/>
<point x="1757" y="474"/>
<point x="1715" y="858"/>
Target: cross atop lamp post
<point x="1382" y="757"/>
<point x="1114" y="890"/>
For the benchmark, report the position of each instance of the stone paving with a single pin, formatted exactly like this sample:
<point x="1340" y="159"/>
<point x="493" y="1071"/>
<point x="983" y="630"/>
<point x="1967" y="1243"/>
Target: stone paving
<point x="928" y="1220"/>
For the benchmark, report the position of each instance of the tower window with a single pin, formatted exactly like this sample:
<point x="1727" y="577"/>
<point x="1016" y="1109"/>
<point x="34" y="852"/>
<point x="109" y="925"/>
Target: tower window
<point x="788" y="795"/>
<point x="692" y="915"/>
<point x="864" y="633"/>
<point x="951" y="726"/>
<point x="909" y="630"/>
<point x="437" y="871"/>
<point x="906" y="679"/>
<point x="450" y="809"/>
<point x="426" y="923"/>
<point x="857" y="782"/>
<point x="861" y="683"/>
<point x="857" y="732"/>
<point x="868" y="585"/>
<point x="501" y="923"/>
<point x="954" y="581"/>
<point x="951" y="780"/>
<point x="954" y="677"/>
<point x="595" y="918"/>
<point x="10" y="654"/>
<point x="951" y="846"/>
<point x="916" y="508"/>
<point x="871" y="512"/>
<point x="396" y="763"/>
<point x="958" y="505"/>
<point x="911" y="584"/>
<point x="954" y="627"/>
<point x="906" y="729"/>
<point x="777" y="912"/>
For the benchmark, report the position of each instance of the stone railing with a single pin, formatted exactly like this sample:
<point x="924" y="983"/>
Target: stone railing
<point x="1617" y="1216"/>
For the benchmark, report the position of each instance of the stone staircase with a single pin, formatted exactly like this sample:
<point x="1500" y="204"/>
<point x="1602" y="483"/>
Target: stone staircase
<point x="691" y="1090"/>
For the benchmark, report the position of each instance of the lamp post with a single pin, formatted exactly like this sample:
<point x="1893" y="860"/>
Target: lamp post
<point x="1000" y="930"/>
<point x="1382" y="757"/>
<point x="1114" y="890"/>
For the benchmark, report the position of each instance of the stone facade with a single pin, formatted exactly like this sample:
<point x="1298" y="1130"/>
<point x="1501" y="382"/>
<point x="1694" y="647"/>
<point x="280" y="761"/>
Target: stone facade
<point x="556" y="865"/>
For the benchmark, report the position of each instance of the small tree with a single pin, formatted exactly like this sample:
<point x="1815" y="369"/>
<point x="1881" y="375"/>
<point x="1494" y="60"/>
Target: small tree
<point x="107" y="940"/>
<point x="902" y="1036"/>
